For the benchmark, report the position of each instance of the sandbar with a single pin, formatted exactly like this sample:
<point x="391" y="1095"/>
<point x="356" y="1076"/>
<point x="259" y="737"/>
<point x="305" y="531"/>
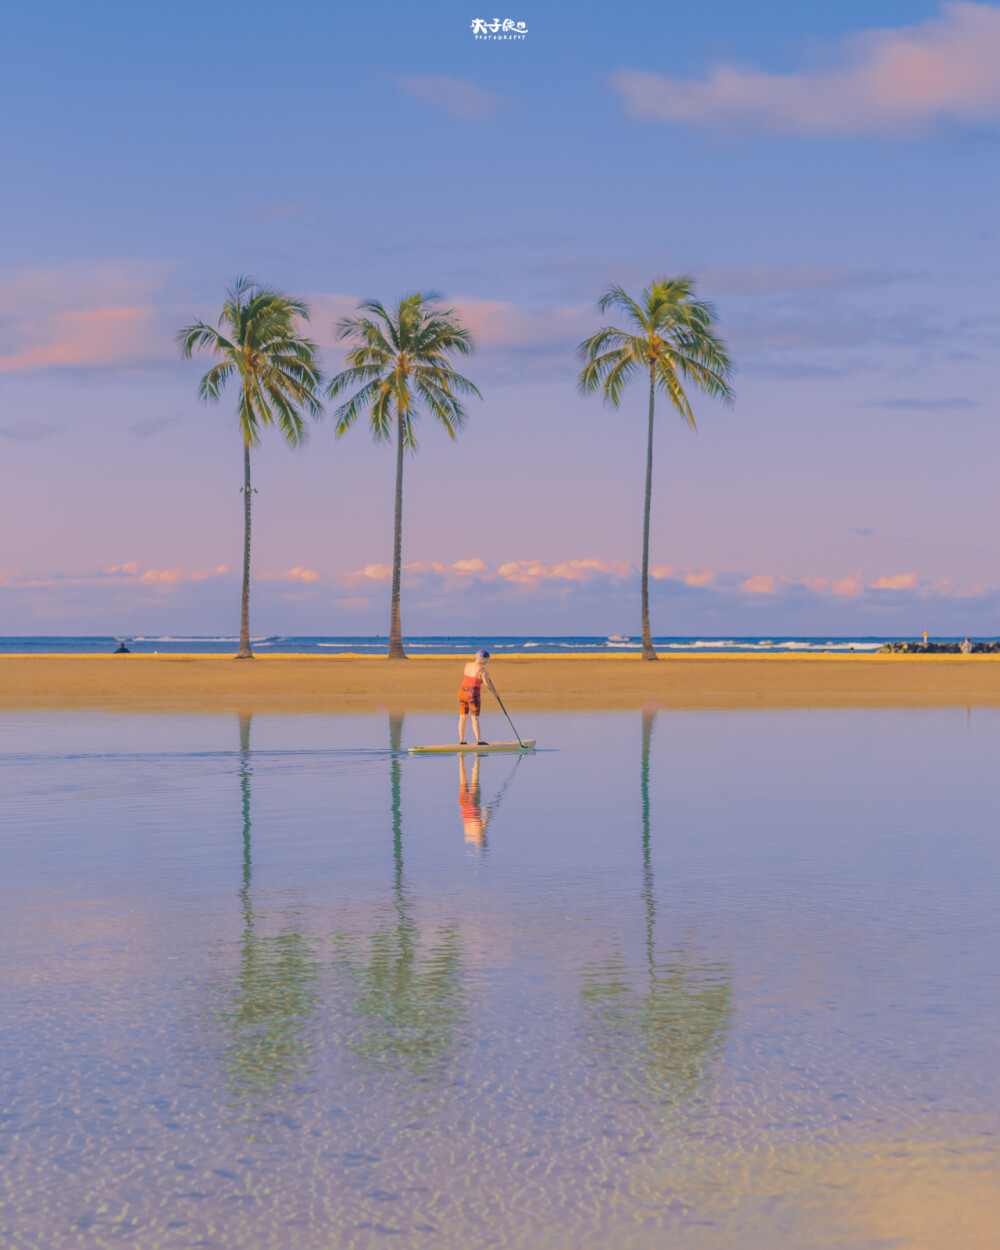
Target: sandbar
<point x="297" y="683"/>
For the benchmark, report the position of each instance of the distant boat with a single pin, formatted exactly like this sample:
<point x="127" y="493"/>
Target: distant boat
<point x="618" y="638"/>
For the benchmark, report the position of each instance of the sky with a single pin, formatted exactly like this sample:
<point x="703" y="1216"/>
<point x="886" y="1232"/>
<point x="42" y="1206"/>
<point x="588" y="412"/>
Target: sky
<point x="826" y="173"/>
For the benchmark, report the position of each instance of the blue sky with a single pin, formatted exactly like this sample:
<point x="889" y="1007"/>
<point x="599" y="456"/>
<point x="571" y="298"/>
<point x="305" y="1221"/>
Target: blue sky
<point x="827" y="172"/>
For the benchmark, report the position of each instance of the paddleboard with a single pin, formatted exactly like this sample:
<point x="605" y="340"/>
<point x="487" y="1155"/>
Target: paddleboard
<point x="473" y="746"/>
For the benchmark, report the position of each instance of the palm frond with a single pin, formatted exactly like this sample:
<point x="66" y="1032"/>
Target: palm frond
<point x="278" y="367"/>
<point x="398" y="360"/>
<point x="196" y="335"/>
<point x="666" y="380"/>
<point x="620" y="372"/>
<point x="677" y="339"/>
<point x="618" y="297"/>
<point x="211" y="385"/>
<point x="362" y="400"/>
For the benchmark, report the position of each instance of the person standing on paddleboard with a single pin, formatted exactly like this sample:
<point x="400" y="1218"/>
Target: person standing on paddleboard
<point x="468" y="696"/>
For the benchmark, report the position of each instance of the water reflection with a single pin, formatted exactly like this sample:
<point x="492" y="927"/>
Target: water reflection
<point x="444" y="1091"/>
<point x="406" y="989"/>
<point x="274" y="996"/>
<point x="470" y="803"/>
<point x="476" y="816"/>
<point x="665" y="1022"/>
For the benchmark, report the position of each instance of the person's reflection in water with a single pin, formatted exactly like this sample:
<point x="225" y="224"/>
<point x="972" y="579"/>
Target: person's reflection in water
<point x="476" y="816"/>
<point x="407" y="991"/>
<point x="273" y="998"/>
<point x="470" y="803"/>
<point x="666" y="1032"/>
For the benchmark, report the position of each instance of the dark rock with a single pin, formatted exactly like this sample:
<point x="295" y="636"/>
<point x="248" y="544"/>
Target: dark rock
<point x="936" y="648"/>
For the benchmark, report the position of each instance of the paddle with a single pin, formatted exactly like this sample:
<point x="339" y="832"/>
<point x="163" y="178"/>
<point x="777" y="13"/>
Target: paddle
<point x="509" y="721"/>
<point x="492" y="807"/>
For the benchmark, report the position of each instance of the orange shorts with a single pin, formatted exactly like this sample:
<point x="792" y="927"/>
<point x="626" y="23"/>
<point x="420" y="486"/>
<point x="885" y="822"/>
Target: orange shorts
<point x="468" y="700"/>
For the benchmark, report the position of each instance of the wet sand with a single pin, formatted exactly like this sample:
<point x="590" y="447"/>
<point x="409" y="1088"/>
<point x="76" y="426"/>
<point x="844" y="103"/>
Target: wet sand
<point x="276" y="683"/>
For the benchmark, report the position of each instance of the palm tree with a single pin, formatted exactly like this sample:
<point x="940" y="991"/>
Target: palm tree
<point x="257" y="338"/>
<point x="399" y="360"/>
<point x="671" y="336"/>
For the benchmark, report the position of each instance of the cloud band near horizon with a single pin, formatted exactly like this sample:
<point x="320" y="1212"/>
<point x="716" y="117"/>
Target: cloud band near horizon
<point x="579" y="596"/>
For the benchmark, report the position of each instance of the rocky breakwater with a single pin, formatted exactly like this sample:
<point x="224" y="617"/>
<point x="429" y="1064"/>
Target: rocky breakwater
<point x="939" y="648"/>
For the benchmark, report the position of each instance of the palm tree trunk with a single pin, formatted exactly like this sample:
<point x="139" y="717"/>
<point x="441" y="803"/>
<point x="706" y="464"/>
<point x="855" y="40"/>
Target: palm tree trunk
<point x="647" y="639"/>
<point x="396" y="651"/>
<point x="244" y="652"/>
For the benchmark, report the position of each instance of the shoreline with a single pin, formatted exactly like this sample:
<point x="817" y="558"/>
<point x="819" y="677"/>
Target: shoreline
<point x="537" y="682"/>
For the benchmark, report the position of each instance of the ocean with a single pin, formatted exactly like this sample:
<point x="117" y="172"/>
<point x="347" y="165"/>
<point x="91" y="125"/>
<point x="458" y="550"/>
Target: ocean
<point x="366" y="644"/>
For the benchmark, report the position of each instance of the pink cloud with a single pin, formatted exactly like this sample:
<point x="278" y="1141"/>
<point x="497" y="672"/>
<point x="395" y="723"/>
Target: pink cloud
<point x="901" y="581"/>
<point x="536" y="573"/>
<point x="87" y="339"/>
<point x="849" y="586"/>
<point x="83" y="316"/>
<point x="761" y="584"/>
<point x="370" y="573"/>
<point x="531" y="572"/>
<point x="455" y="96"/>
<point x="495" y="323"/>
<point x="129" y="572"/>
<point x="296" y="574"/>
<point x="888" y="82"/>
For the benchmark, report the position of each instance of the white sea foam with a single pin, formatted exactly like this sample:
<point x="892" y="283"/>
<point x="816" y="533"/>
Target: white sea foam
<point x="175" y="638"/>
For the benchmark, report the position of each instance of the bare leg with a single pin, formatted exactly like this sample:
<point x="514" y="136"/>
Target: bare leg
<point x="475" y="726"/>
<point x="462" y="718"/>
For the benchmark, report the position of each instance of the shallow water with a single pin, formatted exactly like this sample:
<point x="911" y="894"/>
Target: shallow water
<point x="688" y="979"/>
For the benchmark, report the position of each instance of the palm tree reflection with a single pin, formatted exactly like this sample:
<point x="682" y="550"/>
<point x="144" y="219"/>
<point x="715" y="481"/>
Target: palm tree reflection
<point x="273" y="996"/>
<point x="666" y="1024"/>
<point x="407" y="991"/>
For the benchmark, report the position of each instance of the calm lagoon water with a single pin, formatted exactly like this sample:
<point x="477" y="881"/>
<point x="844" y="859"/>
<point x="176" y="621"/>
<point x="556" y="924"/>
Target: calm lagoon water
<point x="683" y="980"/>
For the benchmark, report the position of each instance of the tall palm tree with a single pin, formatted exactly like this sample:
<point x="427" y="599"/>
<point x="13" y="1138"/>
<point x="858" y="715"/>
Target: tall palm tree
<point x="671" y="337"/>
<point x="398" y="361"/>
<point x="258" y="339"/>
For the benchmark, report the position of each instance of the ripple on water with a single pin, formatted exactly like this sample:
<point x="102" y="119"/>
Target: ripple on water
<point x="697" y="980"/>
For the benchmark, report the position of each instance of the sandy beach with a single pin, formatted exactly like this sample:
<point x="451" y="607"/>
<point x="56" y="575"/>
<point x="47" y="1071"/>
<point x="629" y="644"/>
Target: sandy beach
<point x="278" y="683"/>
